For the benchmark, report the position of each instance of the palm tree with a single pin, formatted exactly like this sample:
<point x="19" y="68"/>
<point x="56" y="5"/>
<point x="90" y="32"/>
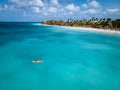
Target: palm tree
<point x="117" y="23"/>
<point x="109" y="22"/>
<point x="108" y="19"/>
<point x="96" y="19"/>
<point x="104" y="19"/>
<point x="93" y="19"/>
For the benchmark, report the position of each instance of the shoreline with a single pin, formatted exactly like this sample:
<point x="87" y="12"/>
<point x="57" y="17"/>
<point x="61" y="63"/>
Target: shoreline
<point x="107" y="31"/>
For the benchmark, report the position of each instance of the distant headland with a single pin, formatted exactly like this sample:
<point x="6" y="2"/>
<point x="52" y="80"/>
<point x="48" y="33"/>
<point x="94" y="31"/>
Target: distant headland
<point x="102" y="23"/>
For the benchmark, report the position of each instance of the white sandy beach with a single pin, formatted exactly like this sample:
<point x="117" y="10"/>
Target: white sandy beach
<point x="88" y="29"/>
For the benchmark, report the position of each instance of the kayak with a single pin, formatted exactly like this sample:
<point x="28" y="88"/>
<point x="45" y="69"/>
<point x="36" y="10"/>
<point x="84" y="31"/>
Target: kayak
<point x="37" y="61"/>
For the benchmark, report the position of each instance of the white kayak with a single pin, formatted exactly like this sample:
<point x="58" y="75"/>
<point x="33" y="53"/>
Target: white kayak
<point x="37" y="61"/>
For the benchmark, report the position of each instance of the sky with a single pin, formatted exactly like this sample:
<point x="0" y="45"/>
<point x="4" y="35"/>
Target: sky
<point x="39" y="10"/>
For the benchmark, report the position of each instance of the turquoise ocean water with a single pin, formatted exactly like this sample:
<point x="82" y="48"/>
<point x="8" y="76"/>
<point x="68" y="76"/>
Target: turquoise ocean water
<point x="73" y="60"/>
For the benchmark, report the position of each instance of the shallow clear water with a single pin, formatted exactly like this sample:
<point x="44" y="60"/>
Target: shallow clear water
<point x="73" y="60"/>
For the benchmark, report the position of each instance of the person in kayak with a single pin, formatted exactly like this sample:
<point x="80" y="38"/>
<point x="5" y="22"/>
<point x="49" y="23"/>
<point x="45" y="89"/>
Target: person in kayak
<point x="37" y="61"/>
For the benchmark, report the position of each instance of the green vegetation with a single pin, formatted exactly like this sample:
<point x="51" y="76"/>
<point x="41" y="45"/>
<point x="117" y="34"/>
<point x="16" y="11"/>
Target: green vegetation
<point x="103" y="23"/>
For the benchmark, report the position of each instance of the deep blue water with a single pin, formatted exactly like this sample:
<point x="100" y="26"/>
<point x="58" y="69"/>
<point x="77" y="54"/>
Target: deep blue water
<point x="73" y="60"/>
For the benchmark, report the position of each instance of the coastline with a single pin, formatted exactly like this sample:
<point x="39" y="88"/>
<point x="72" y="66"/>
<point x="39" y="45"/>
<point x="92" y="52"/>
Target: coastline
<point x="107" y="31"/>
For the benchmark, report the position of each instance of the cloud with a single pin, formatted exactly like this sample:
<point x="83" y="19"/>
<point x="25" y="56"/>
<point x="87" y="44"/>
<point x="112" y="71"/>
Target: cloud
<point x="72" y="7"/>
<point x="91" y="11"/>
<point x="13" y="8"/>
<point x="94" y="3"/>
<point x="45" y="13"/>
<point x="54" y="2"/>
<point x="70" y="13"/>
<point x="85" y="5"/>
<point x="36" y="3"/>
<point x="19" y="3"/>
<point x="113" y="10"/>
<point x="91" y="4"/>
<point x="4" y="7"/>
<point x="62" y="9"/>
<point x="24" y="14"/>
<point x="35" y="9"/>
<point x="0" y="8"/>
<point x="91" y="7"/>
<point x="25" y="3"/>
<point x="52" y="9"/>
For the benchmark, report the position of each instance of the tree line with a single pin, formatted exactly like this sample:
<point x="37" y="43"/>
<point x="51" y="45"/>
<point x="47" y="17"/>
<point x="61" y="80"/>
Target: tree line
<point x="103" y="23"/>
